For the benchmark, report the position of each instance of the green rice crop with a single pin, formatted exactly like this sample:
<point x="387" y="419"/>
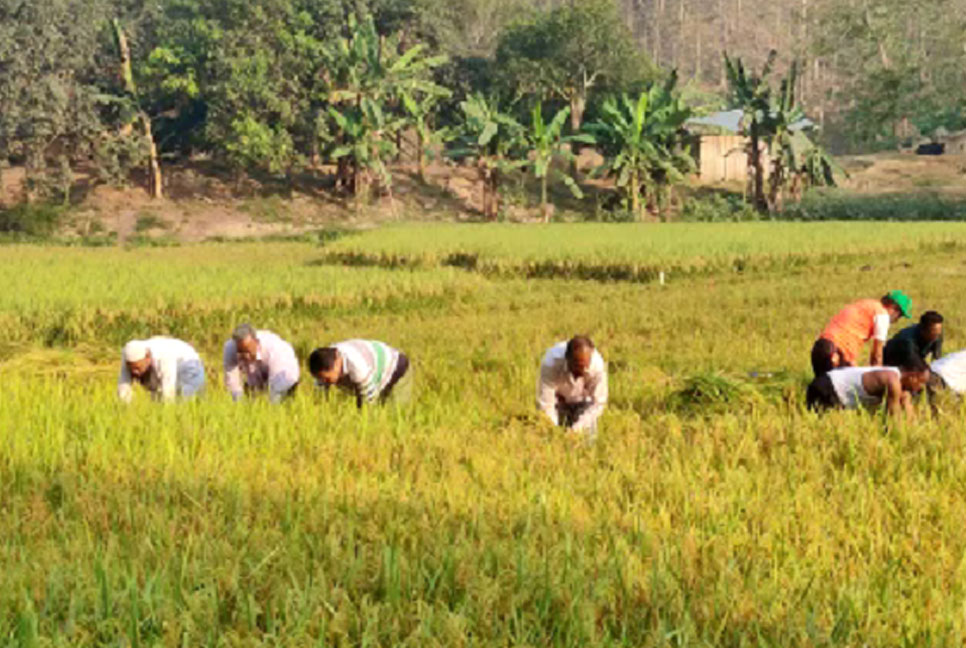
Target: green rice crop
<point x="637" y="252"/>
<point x="463" y="519"/>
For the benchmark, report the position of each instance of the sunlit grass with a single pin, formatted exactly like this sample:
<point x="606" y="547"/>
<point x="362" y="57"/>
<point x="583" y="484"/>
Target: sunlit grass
<point x="638" y="252"/>
<point x="712" y="510"/>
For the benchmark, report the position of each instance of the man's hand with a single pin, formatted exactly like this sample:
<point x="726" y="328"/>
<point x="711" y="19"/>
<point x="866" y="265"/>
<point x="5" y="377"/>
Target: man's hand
<point x="907" y="405"/>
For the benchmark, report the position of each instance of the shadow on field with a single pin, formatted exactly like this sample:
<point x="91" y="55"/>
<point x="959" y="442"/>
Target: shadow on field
<point x="214" y="556"/>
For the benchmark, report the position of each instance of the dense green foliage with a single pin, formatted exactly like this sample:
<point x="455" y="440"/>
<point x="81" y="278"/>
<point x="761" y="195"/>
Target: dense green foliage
<point x="711" y="511"/>
<point x="265" y="87"/>
<point x="249" y="83"/>
<point x="642" y="141"/>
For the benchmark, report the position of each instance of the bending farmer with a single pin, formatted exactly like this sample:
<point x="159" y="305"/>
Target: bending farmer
<point x="166" y="367"/>
<point x="868" y="387"/>
<point x="257" y="361"/>
<point x="917" y="341"/>
<point x="868" y="319"/>
<point x="572" y="389"/>
<point x="369" y="369"/>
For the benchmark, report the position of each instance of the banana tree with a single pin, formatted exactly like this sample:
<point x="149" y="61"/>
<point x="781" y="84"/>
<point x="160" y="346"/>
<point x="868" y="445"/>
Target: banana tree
<point x="643" y="142"/>
<point x="547" y="142"/>
<point x="796" y="161"/>
<point x="367" y="75"/>
<point x="495" y="140"/>
<point x="818" y="168"/>
<point x="365" y="130"/>
<point x="752" y="94"/>
<point x="786" y="142"/>
<point x="420" y="109"/>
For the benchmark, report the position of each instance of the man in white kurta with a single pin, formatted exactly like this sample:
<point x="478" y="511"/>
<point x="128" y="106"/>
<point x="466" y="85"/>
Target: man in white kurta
<point x="572" y="388"/>
<point x="951" y="369"/>
<point x="167" y="367"/>
<point x="259" y="361"/>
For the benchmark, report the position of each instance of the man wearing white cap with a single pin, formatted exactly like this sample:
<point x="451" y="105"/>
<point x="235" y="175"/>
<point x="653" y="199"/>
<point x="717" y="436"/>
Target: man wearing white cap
<point x="166" y="367"/>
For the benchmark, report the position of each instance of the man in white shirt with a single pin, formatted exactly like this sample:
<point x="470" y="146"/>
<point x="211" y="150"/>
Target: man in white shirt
<point x="950" y="372"/>
<point x="572" y="387"/>
<point x="258" y="360"/>
<point x="166" y="367"/>
<point x="868" y="387"/>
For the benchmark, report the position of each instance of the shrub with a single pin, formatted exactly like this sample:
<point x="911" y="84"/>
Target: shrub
<point x="39" y="221"/>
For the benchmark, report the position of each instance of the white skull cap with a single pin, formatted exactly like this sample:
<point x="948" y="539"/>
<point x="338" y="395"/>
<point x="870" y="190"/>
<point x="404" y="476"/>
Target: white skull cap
<point x="135" y="351"/>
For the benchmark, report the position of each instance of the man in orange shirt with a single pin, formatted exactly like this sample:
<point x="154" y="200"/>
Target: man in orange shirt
<point x="841" y="342"/>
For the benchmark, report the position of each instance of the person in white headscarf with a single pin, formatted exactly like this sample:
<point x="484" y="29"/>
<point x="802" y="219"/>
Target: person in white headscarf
<point x="168" y="368"/>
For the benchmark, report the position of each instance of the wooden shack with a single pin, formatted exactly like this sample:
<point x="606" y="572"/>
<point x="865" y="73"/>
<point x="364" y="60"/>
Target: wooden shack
<point x="722" y="158"/>
<point x="720" y="147"/>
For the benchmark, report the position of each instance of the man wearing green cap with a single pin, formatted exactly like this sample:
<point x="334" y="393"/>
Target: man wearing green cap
<point x="867" y="319"/>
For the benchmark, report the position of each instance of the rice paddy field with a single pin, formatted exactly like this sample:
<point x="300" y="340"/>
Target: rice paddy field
<point x="712" y="510"/>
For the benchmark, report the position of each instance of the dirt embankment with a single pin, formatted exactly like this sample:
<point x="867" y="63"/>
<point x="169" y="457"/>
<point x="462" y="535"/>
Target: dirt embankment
<point x="203" y="202"/>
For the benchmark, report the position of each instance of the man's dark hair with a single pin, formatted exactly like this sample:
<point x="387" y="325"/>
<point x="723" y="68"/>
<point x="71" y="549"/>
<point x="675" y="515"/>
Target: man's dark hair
<point x="822" y="352"/>
<point x="322" y="360"/>
<point x="578" y="343"/>
<point x="929" y="318"/>
<point x="914" y="364"/>
<point x="889" y="301"/>
<point x="820" y="395"/>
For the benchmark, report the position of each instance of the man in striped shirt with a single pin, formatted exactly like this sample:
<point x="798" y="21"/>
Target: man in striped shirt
<point x="369" y="369"/>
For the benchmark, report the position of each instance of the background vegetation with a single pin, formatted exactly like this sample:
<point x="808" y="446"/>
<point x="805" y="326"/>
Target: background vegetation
<point x="334" y="93"/>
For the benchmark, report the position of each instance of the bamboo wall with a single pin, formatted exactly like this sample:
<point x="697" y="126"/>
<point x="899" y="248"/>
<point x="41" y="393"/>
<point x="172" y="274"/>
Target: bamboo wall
<point x="722" y="158"/>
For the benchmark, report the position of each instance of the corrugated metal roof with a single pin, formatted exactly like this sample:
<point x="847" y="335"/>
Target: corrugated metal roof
<point x="730" y="120"/>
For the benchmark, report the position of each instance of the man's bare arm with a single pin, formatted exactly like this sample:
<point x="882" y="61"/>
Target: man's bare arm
<point x="875" y="358"/>
<point x="894" y="394"/>
<point x="907" y="405"/>
<point x="886" y="384"/>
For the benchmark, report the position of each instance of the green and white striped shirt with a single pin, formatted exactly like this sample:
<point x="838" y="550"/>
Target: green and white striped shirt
<point x="367" y="366"/>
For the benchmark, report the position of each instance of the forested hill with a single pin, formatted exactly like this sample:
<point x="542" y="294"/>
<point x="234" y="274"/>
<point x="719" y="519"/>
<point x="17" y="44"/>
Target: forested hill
<point x="875" y="70"/>
<point x="261" y="85"/>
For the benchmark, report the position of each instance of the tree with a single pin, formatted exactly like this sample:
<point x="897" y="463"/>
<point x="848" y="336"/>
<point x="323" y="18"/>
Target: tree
<point x="782" y="126"/>
<point x="547" y="141"/>
<point x="569" y="51"/>
<point x="421" y="110"/>
<point x="752" y="94"/>
<point x="134" y="106"/>
<point x="241" y="79"/>
<point x="496" y="141"/>
<point x="642" y="143"/>
<point x="51" y="97"/>
<point x="777" y="122"/>
<point x="369" y="75"/>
